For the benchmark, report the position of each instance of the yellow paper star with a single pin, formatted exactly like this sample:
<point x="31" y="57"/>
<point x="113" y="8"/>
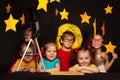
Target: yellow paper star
<point x="85" y="18"/>
<point x="22" y="19"/>
<point x="11" y="23"/>
<point x="8" y="7"/>
<point x="110" y="47"/>
<point x="103" y="28"/>
<point x="108" y="9"/>
<point x="42" y="5"/>
<point x="54" y="0"/>
<point x="64" y="15"/>
<point x="56" y="12"/>
<point x="94" y="26"/>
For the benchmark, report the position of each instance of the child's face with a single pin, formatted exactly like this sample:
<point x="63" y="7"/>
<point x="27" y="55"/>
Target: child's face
<point x="28" y="36"/>
<point x="84" y="58"/>
<point x="51" y="53"/>
<point x="97" y="41"/>
<point x="28" y="58"/>
<point x="67" y="41"/>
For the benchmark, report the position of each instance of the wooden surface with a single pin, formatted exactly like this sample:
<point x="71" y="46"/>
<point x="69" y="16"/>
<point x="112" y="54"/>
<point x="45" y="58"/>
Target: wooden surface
<point x="66" y="73"/>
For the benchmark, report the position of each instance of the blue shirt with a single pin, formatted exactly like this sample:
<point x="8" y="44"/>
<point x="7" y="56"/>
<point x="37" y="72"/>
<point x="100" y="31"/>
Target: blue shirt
<point x="51" y="64"/>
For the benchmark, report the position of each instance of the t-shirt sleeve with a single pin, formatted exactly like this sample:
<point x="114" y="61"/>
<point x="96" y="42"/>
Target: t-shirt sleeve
<point x="57" y="60"/>
<point x="93" y="65"/>
<point x="41" y="60"/>
<point x="76" y="66"/>
<point x="16" y="63"/>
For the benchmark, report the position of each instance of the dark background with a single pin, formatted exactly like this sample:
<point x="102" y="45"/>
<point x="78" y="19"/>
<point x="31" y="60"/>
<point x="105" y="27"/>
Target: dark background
<point x="49" y="23"/>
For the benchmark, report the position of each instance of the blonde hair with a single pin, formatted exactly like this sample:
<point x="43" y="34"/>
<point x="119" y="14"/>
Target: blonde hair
<point x="47" y="45"/>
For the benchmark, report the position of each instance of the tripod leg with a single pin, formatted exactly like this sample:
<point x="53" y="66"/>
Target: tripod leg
<point x="36" y="41"/>
<point x="17" y="69"/>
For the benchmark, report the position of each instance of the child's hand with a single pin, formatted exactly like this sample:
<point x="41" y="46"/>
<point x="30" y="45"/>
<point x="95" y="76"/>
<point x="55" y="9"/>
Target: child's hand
<point x="24" y="68"/>
<point x="32" y="69"/>
<point x="79" y="69"/>
<point x="115" y="56"/>
<point x="103" y="55"/>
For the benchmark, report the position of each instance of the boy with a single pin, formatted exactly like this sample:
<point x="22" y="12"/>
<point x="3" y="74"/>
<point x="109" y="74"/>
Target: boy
<point x="28" y="64"/>
<point x="64" y="53"/>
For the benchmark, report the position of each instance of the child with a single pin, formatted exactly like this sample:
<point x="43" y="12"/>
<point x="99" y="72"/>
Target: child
<point x="65" y="53"/>
<point x="27" y="35"/>
<point x="85" y="61"/>
<point x="28" y="64"/>
<point x="50" y="62"/>
<point x="102" y="59"/>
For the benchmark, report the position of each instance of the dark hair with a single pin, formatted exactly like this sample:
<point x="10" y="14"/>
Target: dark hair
<point x="67" y="33"/>
<point x="92" y="55"/>
<point x="72" y="60"/>
<point x="89" y="44"/>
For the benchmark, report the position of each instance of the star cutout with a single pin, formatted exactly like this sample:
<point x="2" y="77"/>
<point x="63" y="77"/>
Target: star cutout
<point x="108" y="9"/>
<point x="94" y="26"/>
<point x="11" y="23"/>
<point x="103" y="28"/>
<point x="56" y="12"/>
<point x="22" y="19"/>
<point x="110" y="47"/>
<point x="54" y="0"/>
<point x="8" y="7"/>
<point x="42" y="5"/>
<point x="85" y="18"/>
<point x="64" y="14"/>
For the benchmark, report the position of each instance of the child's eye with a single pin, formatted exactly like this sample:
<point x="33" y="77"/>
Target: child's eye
<point x="54" y="51"/>
<point x="48" y="51"/>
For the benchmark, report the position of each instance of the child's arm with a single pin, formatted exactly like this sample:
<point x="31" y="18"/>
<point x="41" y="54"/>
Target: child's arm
<point x="13" y="69"/>
<point x="57" y="68"/>
<point x="39" y="67"/>
<point x="101" y="57"/>
<point x="89" y="69"/>
<point x="72" y="69"/>
<point x="23" y="68"/>
<point x="109" y="64"/>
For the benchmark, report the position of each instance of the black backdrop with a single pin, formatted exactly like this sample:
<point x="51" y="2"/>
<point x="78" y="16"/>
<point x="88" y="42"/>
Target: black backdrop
<point x="49" y="23"/>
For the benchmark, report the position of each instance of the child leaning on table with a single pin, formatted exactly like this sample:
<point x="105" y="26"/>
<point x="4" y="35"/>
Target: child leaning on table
<point x="28" y="63"/>
<point x="50" y="60"/>
<point x="85" y="62"/>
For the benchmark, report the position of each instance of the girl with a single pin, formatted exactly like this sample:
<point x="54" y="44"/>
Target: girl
<point x="85" y="61"/>
<point x="50" y="62"/>
<point x="102" y="59"/>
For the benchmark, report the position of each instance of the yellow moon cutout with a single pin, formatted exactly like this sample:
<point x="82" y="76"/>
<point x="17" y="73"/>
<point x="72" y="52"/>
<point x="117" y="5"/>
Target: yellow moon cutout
<point x="73" y="28"/>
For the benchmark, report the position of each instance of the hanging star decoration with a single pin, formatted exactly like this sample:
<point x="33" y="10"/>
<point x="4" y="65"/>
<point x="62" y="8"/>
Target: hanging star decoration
<point x="110" y="47"/>
<point x="103" y="29"/>
<point x="42" y="5"/>
<point x="64" y="14"/>
<point x="54" y="0"/>
<point x="8" y="7"/>
<point x="11" y="23"/>
<point x="85" y="18"/>
<point x="22" y="19"/>
<point x="108" y="9"/>
<point x="56" y="12"/>
<point x="94" y="26"/>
